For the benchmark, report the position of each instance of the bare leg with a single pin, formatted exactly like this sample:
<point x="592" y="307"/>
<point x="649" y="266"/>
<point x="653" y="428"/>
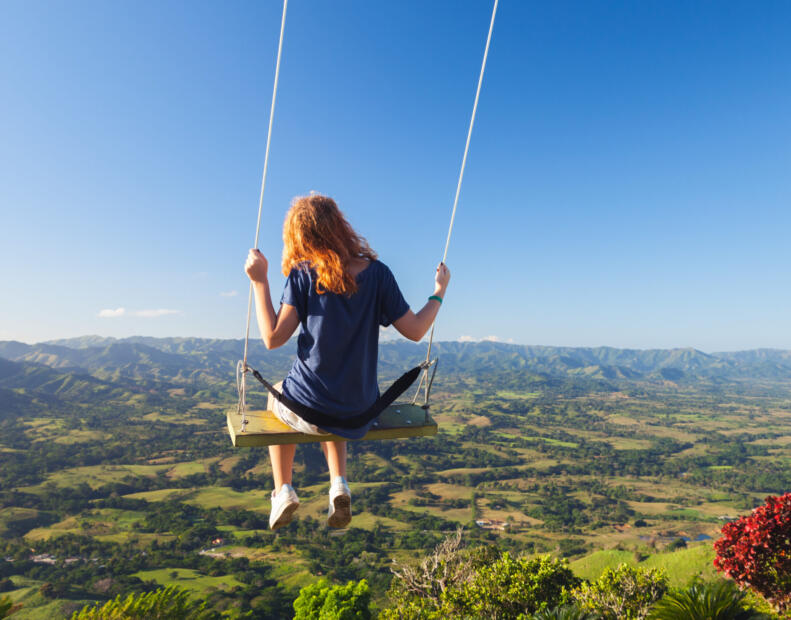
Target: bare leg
<point x="335" y="453"/>
<point x="282" y="458"/>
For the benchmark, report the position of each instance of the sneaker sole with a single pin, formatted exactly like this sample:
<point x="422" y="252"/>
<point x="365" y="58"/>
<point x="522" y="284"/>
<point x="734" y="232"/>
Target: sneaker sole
<point x="342" y="515"/>
<point x="286" y="516"/>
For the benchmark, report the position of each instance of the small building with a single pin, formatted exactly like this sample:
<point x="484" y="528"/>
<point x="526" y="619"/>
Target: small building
<point x="491" y="524"/>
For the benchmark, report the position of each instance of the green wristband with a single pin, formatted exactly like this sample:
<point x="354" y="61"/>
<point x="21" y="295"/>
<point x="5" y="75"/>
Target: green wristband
<point x="437" y="297"/>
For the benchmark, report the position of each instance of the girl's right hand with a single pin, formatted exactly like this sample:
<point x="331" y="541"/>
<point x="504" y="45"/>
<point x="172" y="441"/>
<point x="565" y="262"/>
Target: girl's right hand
<point x="441" y="279"/>
<point x="256" y="266"/>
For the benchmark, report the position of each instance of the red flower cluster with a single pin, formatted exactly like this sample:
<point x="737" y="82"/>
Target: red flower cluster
<point x="755" y="551"/>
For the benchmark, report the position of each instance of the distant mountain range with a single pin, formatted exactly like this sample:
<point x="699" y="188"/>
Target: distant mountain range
<point x="93" y="371"/>
<point x="197" y="361"/>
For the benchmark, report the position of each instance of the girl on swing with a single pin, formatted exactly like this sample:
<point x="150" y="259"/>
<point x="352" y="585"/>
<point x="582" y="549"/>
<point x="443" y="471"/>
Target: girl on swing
<point x="339" y="293"/>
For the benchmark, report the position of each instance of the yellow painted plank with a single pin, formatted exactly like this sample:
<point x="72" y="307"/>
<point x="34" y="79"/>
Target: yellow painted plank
<point x="264" y="429"/>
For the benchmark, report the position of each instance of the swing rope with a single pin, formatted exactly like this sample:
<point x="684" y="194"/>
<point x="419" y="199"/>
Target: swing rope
<point x="242" y="368"/>
<point x="424" y="379"/>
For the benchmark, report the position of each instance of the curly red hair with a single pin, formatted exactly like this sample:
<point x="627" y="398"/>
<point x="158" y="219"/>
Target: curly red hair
<point x="317" y="234"/>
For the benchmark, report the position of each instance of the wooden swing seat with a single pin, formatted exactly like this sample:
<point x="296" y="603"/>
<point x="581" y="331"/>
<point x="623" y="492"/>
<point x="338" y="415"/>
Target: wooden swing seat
<point x="264" y="429"/>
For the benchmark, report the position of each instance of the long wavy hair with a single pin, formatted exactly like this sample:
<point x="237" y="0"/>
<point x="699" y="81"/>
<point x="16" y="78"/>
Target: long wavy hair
<point x="317" y="235"/>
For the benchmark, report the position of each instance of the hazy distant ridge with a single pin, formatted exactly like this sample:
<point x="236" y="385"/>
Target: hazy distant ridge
<point x="197" y="360"/>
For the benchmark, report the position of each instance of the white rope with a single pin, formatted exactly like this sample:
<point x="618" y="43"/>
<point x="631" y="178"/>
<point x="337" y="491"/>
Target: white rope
<point x="241" y="387"/>
<point x="458" y="185"/>
<point x="241" y="384"/>
<point x="469" y="131"/>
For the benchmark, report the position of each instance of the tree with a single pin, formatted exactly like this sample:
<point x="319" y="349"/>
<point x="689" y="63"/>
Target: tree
<point x="678" y="543"/>
<point x="59" y="589"/>
<point x="513" y="587"/>
<point x="322" y="601"/>
<point x="624" y="592"/>
<point x="755" y="551"/>
<point x="419" y="591"/>
<point x="720" y="600"/>
<point x="169" y="603"/>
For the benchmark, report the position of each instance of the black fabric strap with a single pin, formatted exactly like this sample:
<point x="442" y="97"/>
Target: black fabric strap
<point x="361" y="419"/>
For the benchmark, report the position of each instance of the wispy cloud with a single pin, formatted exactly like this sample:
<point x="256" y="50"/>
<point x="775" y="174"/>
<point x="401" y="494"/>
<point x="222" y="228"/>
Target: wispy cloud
<point x="108" y="313"/>
<point x="150" y="314"/>
<point x="228" y="293"/>
<point x="498" y="339"/>
<point x="387" y="335"/>
<point x="486" y="339"/>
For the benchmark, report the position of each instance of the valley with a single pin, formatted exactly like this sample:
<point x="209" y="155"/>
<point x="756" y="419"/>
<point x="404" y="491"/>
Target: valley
<point x="116" y="472"/>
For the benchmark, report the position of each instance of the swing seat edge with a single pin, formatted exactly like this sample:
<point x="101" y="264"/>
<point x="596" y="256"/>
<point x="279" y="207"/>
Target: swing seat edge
<point x="399" y="421"/>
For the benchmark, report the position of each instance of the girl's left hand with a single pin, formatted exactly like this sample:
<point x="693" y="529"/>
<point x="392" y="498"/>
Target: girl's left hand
<point x="256" y="266"/>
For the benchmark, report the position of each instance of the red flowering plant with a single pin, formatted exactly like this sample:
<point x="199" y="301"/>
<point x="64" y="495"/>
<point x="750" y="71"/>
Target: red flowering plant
<point x="755" y="551"/>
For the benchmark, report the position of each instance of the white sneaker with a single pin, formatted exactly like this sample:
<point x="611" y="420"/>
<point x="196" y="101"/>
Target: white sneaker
<point x="340" y="512"/>
<point x="284" y="504"/>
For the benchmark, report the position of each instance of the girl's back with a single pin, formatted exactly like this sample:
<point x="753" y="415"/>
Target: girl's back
<point x="335" y="369"/>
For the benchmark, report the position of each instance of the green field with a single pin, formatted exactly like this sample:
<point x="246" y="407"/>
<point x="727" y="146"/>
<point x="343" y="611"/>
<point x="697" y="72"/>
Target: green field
<point x="681" y="565"/>
<point x="189" y="579"/>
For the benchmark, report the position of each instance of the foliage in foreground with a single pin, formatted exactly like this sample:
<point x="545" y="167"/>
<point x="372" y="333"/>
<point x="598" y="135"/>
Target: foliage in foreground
<point x="755" y="551"/>
<point x="169" y="603"/>
<point x="322" y="601"/>
<point x="720" y="600"/>
<point x="480" y="582"/>
<point x="513" y="587"/>
<point x="624" y="592"/>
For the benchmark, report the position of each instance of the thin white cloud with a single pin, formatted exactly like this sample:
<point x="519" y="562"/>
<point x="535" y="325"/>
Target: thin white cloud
<point x="486" y="339"/>
<point x="228" y="293"/>
<point x="108" y="313"/>
<point x="150" y="314"/>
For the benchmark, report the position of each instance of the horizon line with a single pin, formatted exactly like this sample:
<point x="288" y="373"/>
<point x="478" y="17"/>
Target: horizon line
<point x="398" y="340"/>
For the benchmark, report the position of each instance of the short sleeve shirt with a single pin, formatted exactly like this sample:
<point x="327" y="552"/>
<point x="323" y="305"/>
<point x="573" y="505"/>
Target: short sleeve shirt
<point x="338" y="342"/>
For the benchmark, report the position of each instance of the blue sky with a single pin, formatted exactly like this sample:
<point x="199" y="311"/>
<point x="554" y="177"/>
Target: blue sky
<point x="627" y="183"/>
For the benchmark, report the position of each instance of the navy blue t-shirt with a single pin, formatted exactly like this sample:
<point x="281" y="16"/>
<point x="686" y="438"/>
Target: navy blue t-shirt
<point x="338" y="343"/>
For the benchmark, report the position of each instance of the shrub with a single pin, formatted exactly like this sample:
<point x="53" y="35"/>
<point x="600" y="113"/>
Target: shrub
<point x="755" y="551"/>
<point x="477" y="583"/>
<point x="322" y="601"/>
<point x="419" y="591"/>
<point x="169" y="603"/>
<point x="719" y="600"/>
<point x="513" y="588"/>
<point x="624" y="592"/>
